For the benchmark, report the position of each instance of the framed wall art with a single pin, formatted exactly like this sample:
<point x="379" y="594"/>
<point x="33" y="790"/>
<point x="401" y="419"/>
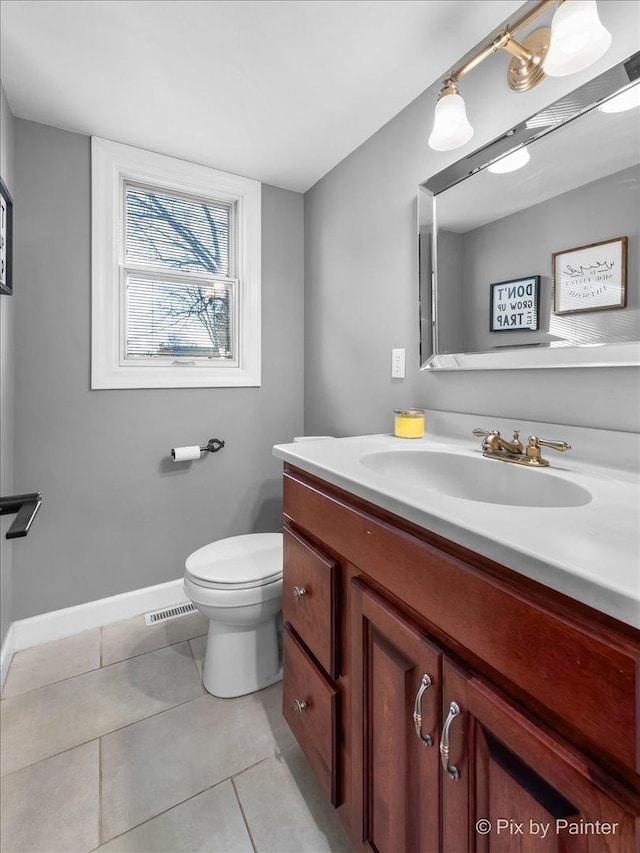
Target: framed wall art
<point x="6" y="240"/>
<point x="590" y="278"/>
<point x="514" y="305"/>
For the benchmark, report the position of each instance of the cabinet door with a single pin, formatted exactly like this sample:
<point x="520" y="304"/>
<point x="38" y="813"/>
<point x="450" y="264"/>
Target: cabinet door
<point x="395" y="779"/>
<point x="512" y="787"/>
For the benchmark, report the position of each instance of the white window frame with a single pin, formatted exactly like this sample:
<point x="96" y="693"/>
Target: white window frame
<point x="112" y="166"/>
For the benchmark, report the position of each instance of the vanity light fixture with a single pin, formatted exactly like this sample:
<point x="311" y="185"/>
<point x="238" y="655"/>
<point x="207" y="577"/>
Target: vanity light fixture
<point x="578" y="38"/>
<point x="516" y="160"/>
<point x="574" y="41"/>
<point x="626" y="100"/>
<point x="451" y="128"/>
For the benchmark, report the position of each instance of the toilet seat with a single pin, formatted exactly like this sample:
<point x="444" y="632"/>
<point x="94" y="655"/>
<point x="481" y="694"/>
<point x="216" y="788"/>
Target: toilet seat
<point x="237" y="563"/>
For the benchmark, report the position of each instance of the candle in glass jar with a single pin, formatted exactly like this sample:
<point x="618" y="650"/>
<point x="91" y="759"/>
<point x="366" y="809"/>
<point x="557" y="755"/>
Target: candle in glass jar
<point x="408" y="423"/>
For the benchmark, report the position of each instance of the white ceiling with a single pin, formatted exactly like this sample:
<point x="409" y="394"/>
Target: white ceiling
<point x="278" y="90"/>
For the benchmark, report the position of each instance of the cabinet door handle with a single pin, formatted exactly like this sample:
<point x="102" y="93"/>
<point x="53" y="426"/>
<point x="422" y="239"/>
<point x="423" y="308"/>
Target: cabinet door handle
<point x="452" y="772"/>
<point x="299" y="592"/>
<point x="417" y="710"/>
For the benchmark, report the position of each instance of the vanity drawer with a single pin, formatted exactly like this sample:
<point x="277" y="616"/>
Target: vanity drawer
<point x="309" y="705"/>
<point x="309" y="598"/>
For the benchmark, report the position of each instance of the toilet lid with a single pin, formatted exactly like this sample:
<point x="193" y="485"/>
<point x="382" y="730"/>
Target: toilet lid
<point x="239" y="562"/>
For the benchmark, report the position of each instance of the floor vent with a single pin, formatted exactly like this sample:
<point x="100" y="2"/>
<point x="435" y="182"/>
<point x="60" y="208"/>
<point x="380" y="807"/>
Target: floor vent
<point x="169" y="613"/>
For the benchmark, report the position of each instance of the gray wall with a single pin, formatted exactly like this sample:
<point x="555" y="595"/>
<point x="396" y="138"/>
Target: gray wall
<point x="361" y="274"/>
<point x="522" y="244"/>
<point x="117" y="513"/>
<point x="6" y="386"/>
<point x="450" y="302"/>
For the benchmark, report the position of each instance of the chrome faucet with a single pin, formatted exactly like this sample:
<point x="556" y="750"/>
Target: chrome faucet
<point x="496" y="447"/>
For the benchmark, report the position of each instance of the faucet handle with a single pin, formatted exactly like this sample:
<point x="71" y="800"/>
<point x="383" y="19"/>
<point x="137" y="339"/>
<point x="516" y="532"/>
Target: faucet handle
<point x="534" y="441"/>
<point x="484" y="433"/>
<point x="534" y="454"/>
<point x="515" y="441"/>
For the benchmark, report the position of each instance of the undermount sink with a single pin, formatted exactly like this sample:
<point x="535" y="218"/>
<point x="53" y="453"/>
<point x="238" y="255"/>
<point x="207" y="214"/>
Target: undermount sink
<point x="477" y="478"/>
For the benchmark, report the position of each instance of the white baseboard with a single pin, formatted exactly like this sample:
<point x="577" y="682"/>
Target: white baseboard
<point x="72" y="620"/>
<point x="6" y="653"/>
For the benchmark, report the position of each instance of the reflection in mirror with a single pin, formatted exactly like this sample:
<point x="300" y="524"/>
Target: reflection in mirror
<point x="578" y="187"/>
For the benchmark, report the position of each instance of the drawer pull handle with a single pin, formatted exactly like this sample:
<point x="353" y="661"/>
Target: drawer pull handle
<point x="299" y="705"/>
<point x="452" y="772"/>
<point x="299" y="592"/>
<point x="417" y="711"/>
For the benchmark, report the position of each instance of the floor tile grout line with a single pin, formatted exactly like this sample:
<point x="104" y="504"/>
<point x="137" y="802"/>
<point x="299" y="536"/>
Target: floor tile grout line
<point x="165" y="811"/>
<point x="255" y="764"/>
<point x="4" y="698"/>
<point x="191" y="797"/>
<point x="102" y="735"/>
<point x="244" y="817"/>
<point x="101" y="667"/>
<point x="100" y="787"/>
<point x="195" y="662"/>
<point x="168" y="646"/>
<point x="51" y="683"/>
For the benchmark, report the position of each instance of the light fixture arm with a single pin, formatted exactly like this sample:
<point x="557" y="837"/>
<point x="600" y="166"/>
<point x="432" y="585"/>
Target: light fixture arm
<point x="519" y="51"/>
<point x="504" y="41"/>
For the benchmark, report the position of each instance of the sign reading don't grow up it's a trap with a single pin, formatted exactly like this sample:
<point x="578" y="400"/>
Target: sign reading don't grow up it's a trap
<point x="514" y="304"/>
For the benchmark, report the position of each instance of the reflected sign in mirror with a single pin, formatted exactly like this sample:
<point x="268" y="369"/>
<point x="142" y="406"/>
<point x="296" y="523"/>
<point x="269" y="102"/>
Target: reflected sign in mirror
<point x="493" y="293"/>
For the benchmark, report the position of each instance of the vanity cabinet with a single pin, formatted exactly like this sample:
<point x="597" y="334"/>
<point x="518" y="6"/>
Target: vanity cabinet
<point x="509" y="774"/>
<point x="437" y="739"/>
<point x="542" y="737"/>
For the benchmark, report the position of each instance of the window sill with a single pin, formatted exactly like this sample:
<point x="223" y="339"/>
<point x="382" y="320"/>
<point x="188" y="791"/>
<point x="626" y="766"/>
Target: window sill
<point x="173" y="377"/>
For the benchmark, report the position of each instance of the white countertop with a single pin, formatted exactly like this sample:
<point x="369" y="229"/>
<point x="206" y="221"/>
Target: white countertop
<point x="590" y="552"/>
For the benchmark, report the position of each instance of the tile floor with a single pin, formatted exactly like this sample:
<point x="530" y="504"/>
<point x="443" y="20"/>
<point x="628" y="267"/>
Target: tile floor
<point x="109" y="742"/>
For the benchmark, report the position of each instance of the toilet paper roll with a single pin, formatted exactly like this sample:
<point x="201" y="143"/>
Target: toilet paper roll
<point x="184" y="454"/>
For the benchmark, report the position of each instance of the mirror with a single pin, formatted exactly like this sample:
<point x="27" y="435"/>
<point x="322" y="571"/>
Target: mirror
<point x="539" y="266"/>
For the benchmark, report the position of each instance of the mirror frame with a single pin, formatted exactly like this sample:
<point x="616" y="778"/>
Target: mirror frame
<point x="556" y="115"/>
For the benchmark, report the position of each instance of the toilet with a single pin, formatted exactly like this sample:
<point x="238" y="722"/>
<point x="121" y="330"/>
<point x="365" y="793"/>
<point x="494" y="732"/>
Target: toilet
<point x="237" y="584"/>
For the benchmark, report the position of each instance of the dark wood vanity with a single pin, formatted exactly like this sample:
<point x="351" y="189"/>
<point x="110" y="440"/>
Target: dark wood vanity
<point x="433" y="689"/>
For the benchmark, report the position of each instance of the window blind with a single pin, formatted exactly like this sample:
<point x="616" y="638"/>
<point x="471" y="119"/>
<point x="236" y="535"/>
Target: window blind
<point x="176" y="232"/>
<point x="178" y="320"/>
<point x="189" y="314"/>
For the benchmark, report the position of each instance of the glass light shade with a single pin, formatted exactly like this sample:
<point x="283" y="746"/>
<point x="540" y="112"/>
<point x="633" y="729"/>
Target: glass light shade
<point x="626" y="100"/>
<point x="578" y="38"/>
<point x="511" y="162"/>
<point x="451" y="128"/>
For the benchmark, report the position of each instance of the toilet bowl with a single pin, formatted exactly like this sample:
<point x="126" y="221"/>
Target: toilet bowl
<point x="237" y="584"/>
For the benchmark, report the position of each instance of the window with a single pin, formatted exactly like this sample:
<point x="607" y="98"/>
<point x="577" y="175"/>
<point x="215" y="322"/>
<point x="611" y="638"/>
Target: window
<point x="176" y="273"/>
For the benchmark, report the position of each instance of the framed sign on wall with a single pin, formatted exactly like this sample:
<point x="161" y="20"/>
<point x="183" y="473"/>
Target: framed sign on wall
<point x="590" y="278"/>
<point x="514" y="305"/>
<point x="6" y="240"/>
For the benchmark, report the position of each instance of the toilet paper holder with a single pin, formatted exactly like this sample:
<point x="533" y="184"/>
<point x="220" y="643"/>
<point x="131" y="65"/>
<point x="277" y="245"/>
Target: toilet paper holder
<point x="212" y="446"/>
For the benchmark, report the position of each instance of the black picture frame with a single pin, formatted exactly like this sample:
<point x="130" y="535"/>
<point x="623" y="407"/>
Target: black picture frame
<point x="521" y="299"/>
<point x="6" y="240"/>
